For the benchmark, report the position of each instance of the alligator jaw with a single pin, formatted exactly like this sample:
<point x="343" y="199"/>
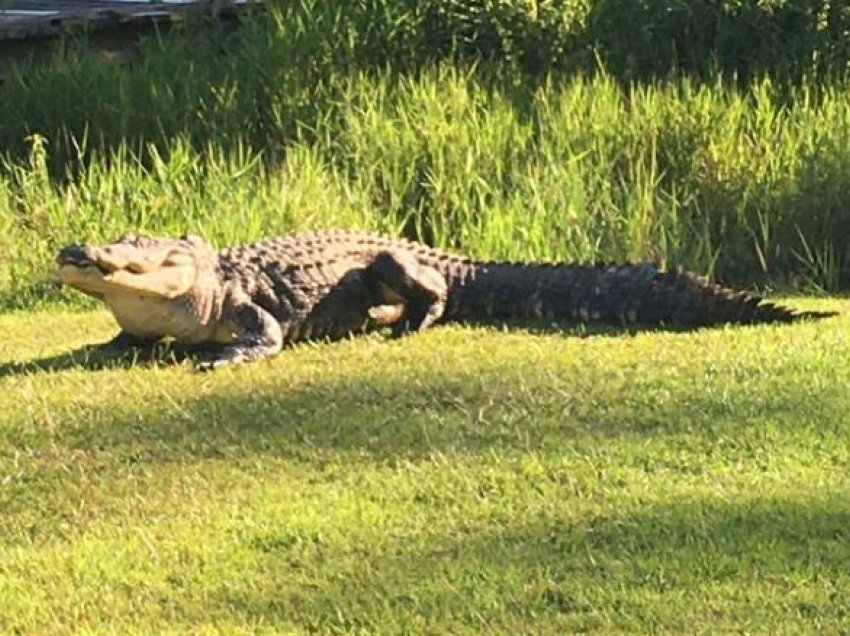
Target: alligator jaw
<point x="97" y="271"/>
<point x="112" y="257"/>
<point x="90" y="278"/>
<point x="77" y="269"/>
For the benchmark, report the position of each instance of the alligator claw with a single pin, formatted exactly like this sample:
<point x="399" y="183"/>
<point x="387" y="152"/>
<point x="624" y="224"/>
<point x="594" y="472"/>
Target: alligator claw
<point x="207" y="365"/>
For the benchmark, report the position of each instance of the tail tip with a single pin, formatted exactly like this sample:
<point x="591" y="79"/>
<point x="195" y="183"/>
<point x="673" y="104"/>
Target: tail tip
<point x="813" y="315"/>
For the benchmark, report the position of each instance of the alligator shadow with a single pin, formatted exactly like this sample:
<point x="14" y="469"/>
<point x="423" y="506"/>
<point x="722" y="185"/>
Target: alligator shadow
<point x="99" y="358"/>
<point x="576" y="329"/>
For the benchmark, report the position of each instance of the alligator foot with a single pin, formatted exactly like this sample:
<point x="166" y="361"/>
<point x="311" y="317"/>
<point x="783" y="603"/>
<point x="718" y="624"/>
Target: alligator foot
<point x="398" y="278"/>
<point x="260" y="336"/>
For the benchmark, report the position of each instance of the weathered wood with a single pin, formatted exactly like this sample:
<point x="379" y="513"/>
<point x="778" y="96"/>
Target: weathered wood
<point x="21" y="19"/>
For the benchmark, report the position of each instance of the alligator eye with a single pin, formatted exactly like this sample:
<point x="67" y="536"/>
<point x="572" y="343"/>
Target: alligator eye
<point x="127" y="237"/>
<point x="193" y="239"/>
<point x="138" y="268"/>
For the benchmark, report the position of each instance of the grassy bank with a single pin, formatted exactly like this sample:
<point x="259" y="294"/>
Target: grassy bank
<point x="537" y="483"/>
<point x="464" y="480"/>
<point x="435" y="121"/>
<point x="741" y="185"/>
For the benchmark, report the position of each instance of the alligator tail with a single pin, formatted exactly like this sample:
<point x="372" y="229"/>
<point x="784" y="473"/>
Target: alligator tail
<point x="683" y="298"/>
<point x="618" y="294"/>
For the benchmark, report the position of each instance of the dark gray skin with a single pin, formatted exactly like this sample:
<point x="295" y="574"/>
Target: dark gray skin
<point x="253" y="299"/>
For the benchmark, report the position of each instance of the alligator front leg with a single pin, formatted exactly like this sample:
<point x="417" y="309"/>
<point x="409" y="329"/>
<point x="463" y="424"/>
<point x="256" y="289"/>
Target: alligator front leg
<point x="398" y="278"/>
<point x="259" y="336"/>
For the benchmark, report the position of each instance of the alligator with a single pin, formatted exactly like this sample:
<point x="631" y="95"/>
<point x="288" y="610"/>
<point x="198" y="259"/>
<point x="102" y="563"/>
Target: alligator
<point x="250" y="300"/>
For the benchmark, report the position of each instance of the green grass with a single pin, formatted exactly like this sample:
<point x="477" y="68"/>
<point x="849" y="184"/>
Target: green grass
<point x="737" y="185"/>
<point x="432" y="120"/>
<point x="459" y="481"/>
<point x="466" y="480"/>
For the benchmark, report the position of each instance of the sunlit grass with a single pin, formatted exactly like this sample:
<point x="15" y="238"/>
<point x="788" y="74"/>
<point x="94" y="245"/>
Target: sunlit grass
<point x="462" y="480"/>
<point x="469" y="479"/>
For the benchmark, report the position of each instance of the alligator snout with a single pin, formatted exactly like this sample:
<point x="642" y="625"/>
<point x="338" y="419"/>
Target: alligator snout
<point x="74" y="255"/>
<point x="84" y="255"/>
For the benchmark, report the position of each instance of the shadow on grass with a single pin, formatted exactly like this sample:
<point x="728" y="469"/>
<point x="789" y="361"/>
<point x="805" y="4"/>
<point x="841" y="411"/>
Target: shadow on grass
<point x="387" y="411"/>
<point x="98" y="358"/>
<point x="384" y="414"/>
<point x="664" y="565"/>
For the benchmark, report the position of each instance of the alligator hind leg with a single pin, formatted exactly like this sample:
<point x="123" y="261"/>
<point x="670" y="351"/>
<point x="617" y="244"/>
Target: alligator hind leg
<point x="397" y="278"/>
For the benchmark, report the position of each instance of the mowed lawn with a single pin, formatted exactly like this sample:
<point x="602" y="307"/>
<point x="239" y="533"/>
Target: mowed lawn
<point x="465" y="480"/>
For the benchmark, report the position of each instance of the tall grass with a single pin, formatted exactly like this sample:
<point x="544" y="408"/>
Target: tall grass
<point x="683" y="174"/>
<point x="263" y="81"/>
<point x="319" y="115"/>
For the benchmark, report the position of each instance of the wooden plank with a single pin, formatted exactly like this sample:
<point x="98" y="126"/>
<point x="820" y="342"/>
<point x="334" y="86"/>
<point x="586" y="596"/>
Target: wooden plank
<point x="31" y="18"/>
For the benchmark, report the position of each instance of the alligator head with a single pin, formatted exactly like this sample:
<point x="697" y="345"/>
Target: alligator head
<point x="155" y="286"/>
